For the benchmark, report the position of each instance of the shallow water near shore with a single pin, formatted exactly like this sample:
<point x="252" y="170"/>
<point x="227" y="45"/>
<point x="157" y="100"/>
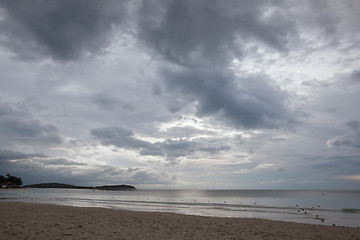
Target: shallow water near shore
<point x="341" y="208"/>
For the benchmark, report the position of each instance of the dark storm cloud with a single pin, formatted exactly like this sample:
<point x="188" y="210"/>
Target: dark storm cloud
<point x="249" y="102"/>
<point x="207" y="33"/>
<point x="18" y="126"/>
<point x="61" y="29"/>
<point x="204" y="37"/>
<point x="171" y="149"/>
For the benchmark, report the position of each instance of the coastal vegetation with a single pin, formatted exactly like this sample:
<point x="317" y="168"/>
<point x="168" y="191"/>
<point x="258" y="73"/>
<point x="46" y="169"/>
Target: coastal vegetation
<point x="10" y="181"/>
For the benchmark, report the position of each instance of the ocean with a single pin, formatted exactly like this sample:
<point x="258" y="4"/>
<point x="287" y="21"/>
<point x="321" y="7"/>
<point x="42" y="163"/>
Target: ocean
<point x="341" y="208"/>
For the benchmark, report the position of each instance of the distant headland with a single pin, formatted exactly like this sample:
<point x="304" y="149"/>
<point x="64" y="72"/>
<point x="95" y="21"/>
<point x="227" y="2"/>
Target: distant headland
<point x="121" y="187"/>
<point x="14" y="182"/>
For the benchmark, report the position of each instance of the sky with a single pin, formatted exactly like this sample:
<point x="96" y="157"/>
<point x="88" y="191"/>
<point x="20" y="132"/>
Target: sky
<point x="164" y="94"/>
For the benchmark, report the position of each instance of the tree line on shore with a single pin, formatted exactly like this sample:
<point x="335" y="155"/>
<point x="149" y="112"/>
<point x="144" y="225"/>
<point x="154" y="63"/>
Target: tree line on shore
<point x="10" y="181"/>
<point x="14" y="182"/>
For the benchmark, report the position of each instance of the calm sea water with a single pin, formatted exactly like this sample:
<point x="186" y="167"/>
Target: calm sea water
<point x="315" y="207"/>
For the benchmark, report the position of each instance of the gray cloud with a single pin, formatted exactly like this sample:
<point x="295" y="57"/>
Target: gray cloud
<point x="351" y="139"/>
<point x="59" y="162"/>
<point x="353" y="125"/>
<point x="6" y="155"/>
<point x="339" y="164"/>
<point x="355" y="76"/>
<point x="36" y="158"/>
<point x="63" y="30"/>
<point x="107" y="101"/>
<point x="6" y="109"/>
<point x="27" y="129"/>
<point x="249" y="102"/>
<point x="171" y="149"/>
<point x="119" y="137"/>
<point x="18" y="126"/>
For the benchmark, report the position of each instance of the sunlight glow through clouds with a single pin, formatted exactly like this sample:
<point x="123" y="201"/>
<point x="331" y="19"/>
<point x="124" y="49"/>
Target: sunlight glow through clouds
<point x="265" y="165"/>
<point x="352" y="177"/>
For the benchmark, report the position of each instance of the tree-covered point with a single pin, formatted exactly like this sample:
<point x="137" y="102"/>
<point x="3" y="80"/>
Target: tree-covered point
<point x="10" y="181"/>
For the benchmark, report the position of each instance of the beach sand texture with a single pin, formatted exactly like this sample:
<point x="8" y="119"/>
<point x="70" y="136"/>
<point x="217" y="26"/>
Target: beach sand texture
<point x="45" y="221"/>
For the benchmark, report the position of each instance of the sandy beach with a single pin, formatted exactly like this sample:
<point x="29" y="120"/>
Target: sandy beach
<point x="44" y="221"/>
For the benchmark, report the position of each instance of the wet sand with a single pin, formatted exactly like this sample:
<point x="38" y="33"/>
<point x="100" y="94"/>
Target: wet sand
<point x="44" y="221"/>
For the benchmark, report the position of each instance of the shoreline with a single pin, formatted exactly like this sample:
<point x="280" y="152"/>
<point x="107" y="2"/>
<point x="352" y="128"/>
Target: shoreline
<point x="290" y="206"/>
<point x="21" y="220"/>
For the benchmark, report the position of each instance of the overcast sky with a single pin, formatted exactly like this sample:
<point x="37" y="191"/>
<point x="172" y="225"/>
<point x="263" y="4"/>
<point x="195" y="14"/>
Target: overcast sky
<point x="181" y="94"/>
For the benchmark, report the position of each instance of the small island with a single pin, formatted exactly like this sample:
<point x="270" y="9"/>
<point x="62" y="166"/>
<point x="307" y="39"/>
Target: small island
<point x="121" y="187"/>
